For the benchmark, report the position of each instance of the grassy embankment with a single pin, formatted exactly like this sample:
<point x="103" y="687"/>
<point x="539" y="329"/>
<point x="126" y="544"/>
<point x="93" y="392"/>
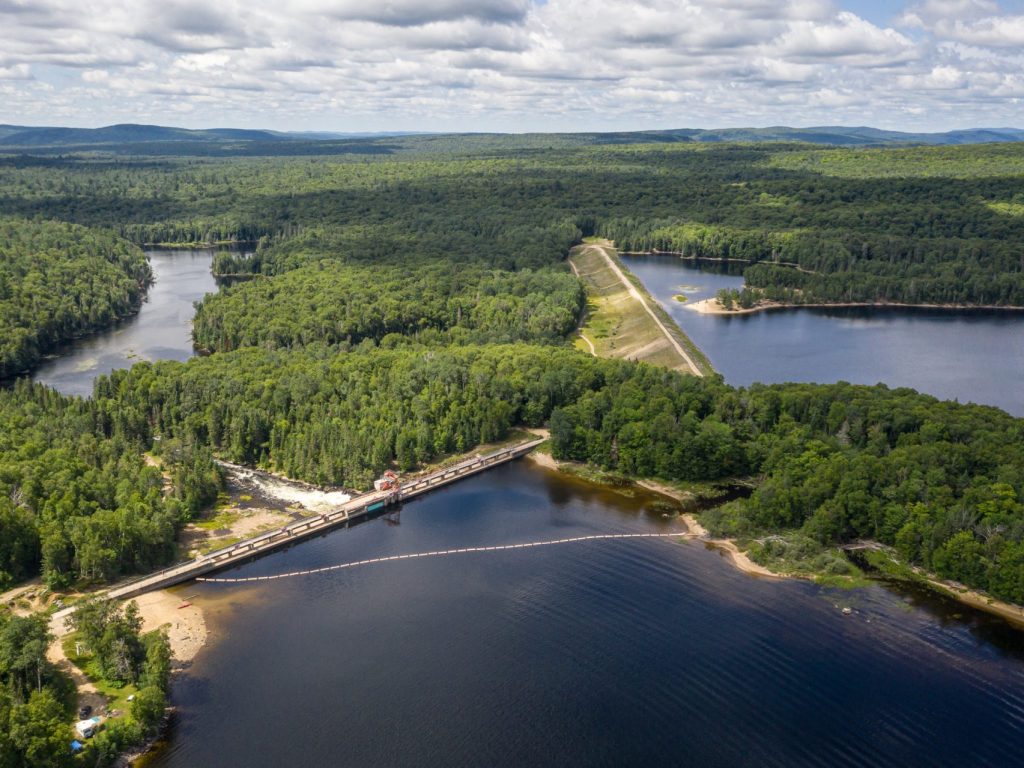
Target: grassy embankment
<point x="617" y="324"/>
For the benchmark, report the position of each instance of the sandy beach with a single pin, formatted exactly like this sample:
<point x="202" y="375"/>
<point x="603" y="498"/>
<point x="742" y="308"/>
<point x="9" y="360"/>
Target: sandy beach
<point x="713" y="307"/>
<point x="545" y="460"/>
<point x="726" y="546"/>
<point x="186" y="628"/>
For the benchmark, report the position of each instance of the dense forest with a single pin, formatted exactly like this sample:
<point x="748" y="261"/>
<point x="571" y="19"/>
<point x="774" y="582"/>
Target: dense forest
<point x="940" y="482"/>
<point x="401" y="305"/>
<point x="78" y="502"/>
<point x="929" y="225"/>
<point x="351" y="339"/>
<point x="58" y="281"/>
<point x="332" y="302"/>
<point x="37" y="700"/>
<point x="410" y="299"/>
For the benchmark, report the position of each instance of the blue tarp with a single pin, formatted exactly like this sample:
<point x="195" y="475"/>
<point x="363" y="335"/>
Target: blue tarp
<point x="77" y="746"/>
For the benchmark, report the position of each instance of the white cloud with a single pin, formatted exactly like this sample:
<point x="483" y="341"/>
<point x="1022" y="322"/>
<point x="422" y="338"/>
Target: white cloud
<point x="16" y="72"/>
<point x="973" y="22"/>
<point x="846" y="37"/>
<point x="507" y="64"/>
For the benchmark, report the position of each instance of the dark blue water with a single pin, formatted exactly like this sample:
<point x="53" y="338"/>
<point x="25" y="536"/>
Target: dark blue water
<point x="631" y="653"/>
<point x="970" y="356"/>
<point x="162" y="329"/>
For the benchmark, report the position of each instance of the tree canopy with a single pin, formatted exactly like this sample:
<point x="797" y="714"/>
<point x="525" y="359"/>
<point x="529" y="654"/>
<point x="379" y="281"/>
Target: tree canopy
<point x="58" y="281"/>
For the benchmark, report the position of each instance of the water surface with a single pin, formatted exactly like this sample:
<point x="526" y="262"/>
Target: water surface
<point x="162" y="329"/>
<point x="638" y="652"/>
<point x="970" y="356"/>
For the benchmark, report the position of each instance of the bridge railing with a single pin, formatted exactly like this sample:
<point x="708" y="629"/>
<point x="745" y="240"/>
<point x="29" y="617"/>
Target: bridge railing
<point x="257" y="543"/>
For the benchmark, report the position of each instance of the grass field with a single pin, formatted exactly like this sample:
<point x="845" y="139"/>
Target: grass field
<point x="616" y="322"/>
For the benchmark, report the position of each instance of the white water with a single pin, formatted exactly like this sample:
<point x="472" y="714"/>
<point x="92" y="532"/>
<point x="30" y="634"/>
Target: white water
<point x="286" y="491"/>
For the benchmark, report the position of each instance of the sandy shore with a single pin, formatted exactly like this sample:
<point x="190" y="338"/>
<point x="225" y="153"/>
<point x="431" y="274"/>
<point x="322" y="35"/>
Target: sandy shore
<point x="186" y="631"/>
<point x="1008" y="611"/>
<point x="695" y="530"/>
<point x="186" y="628"/>
<point x="714" y="307"/>
<point x="542" y="459"/>
<point x="726" y="546"/>
<point x="1011" y="613"/>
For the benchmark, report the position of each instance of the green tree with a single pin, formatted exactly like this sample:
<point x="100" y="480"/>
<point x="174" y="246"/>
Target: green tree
<point x="112" y="636"/>
<point x="23" y="644"/>
<point x="148" y="707"/>
<point x="156" y="669"/>
<point x="39" y="731"/>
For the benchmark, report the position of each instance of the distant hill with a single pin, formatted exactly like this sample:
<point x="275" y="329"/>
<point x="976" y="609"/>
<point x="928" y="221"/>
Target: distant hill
<point x="126" y="133"/>
<point x="835" y="135"/>
<point x="7" y="130"/>
<point x="130" y="138"/>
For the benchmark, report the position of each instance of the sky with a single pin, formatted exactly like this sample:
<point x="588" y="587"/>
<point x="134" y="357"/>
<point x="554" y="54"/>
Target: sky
<point x="512" y="65"/>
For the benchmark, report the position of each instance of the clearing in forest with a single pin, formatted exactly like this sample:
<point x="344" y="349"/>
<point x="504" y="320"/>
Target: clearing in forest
<point x="621" y="321"/>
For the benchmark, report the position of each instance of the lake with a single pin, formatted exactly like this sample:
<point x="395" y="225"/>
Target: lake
<point x="161" y="330"/>
<point x="970" y="356"/>
<point x="636" y="652"/>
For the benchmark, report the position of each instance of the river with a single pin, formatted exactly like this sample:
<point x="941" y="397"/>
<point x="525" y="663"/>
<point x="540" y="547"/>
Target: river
<point x="635" y="652"/>
<point x="161" y="330"/>
<point x="970" y="356"/>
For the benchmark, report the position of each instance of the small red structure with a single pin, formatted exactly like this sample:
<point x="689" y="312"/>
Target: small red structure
<point x="387" y="482"/>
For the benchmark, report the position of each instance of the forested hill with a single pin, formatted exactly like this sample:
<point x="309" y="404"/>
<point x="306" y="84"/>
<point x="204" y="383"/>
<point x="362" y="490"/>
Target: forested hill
<point x="919" y="225"/>
<point x="408" y="298"/>
<point x="373" y="330"/>
<point x="148" y="139"/>
<point x="58" y="281"/>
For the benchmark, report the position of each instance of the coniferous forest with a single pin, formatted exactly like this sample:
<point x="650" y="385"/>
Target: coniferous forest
<point x="411" y="300"/>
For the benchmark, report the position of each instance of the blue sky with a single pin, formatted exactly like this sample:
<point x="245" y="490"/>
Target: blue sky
<point x="884" y="12"/>
<point x="512" y="65"/>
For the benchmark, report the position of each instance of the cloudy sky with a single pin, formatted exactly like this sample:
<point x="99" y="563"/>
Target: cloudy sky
<point x="512" y="65"/>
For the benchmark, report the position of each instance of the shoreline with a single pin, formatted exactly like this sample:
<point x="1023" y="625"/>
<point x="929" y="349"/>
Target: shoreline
<point x="1012" y="614"/>
<point x="972" y="598"/>
<point x="161" y="609"/>
<point x="187" y="635"/>
<point x="184" y="621"/>
<point x="713" y="307"/>
<point x="737" y="557"/>
<point x="694" y="530"/>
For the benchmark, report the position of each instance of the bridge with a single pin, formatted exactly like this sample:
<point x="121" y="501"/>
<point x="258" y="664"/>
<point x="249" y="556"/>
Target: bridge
<point x="358" y="507"/>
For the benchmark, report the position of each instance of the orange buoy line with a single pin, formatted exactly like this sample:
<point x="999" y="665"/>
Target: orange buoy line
<point x="442" y="552"/>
